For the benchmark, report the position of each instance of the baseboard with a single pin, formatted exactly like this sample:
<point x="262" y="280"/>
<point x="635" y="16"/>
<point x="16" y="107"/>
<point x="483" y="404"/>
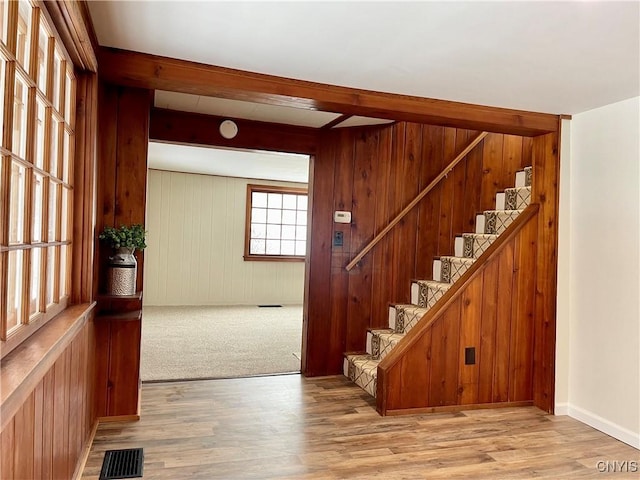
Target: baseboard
<point x="86" y="449"/>
<point x="561" y="409"/>
<point x="616" y="431"/>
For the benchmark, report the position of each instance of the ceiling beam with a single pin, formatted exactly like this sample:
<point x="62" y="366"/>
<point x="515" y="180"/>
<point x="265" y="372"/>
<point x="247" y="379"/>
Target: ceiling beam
<point x="142" y="70"/>
<point x="336" y="121"/>
<point x="198" y="129"/>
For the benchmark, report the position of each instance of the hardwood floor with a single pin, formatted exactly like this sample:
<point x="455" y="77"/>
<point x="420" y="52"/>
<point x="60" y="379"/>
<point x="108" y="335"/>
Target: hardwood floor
<point x="289" y="427"/>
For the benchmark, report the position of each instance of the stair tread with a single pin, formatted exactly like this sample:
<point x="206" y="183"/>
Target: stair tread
<point x="434" y="284"/>
<point x="480" y="235"/>
<point x="377" y="331"/>
<point x="452" y="258"/>
<point x="365" y="362"/>
<point x="504" y="211"/>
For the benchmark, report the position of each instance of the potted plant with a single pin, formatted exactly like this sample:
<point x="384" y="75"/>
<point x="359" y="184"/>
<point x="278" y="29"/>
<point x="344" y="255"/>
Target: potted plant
<point x="123" y="267"/>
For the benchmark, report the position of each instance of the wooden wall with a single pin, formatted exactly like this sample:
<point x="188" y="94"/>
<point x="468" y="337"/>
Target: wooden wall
<point x="46" y="437"/>
<point x="123" y="123"/>
<point x="374" y="173"/>
<point x="493" y="312"/>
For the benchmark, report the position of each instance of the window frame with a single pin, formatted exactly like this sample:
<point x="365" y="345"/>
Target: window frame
<point x="34" y="309"/>
<point x="247" y="227"/>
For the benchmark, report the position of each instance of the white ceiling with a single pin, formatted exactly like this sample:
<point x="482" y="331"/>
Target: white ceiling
<point x="229" y="162"/>
<point x="556" y="57"/>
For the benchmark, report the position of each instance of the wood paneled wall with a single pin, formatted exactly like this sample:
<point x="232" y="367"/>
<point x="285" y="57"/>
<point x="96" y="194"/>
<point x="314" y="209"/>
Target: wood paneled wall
<point x="374" y="173"/>
<point x="123" y="123"/>
<point x="492" y="312"/>
<point x="46" y="437"/>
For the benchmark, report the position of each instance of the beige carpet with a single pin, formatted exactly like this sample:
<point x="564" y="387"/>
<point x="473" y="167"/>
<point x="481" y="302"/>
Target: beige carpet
<point x="219" y="342"/>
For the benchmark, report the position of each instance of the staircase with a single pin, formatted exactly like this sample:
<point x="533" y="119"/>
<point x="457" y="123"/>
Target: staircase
<point x="363" y="368"/>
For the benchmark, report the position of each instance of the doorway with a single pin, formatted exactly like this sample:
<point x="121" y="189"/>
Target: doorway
<point x="218" y="301"/>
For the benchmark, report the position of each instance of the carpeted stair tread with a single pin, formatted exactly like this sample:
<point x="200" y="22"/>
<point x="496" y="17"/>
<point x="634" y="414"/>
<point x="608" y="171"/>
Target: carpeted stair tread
<point x="475" y="244"/>
<point x="452" y="268"/>
<point x="517" y="198"/>
<point x="406" y="316"/>
<point x="428" y="292"/>
<point x="363" y="371"/>
<point x="381" y="342"/>
<point x="497" y="221"/>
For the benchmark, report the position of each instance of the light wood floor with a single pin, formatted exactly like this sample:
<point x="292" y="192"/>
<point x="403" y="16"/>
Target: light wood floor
<point x="289" y="427"/>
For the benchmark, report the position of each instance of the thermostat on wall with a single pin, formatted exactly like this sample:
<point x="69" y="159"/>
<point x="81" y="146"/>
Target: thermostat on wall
<point x="342" y="217"/>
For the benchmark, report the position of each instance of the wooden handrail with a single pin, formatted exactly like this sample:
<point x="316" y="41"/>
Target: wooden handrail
<point x="416" y="200"/>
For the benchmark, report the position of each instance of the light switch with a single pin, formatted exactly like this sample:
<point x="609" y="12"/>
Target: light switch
<point x="341" y="217"/>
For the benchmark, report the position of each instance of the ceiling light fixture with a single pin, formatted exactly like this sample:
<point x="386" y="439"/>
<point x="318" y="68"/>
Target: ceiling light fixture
<point x="228" y="129"/>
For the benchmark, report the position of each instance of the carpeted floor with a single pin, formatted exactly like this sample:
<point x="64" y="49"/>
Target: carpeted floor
<point x="219" y="342"/>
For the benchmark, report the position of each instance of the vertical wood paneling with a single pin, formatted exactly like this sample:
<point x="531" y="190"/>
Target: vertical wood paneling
<point x="407" y="157"/>
<point x="503" y="324"/>
<point x="492" y="170"/>
<point x="7" y="470"/>
<point x="447" y="198"/>
<point x="546" y="168"/>
<point x="362" y="231"/>
<point x="24" y="439"/>
<point x="413" y="382"/>
<point x="48" y="383"/>
<point x="38" y="432"/>
<point x="445" y="340"/>
<point x="459" y="177"/>
<point x="470" y="326"/>
<point x="195" y="250"/>
<point x="383" y="255"/>
<point x="522" y="320"/>
<point x="343" y="195"/>
<point x="487" y="353"/>
<point x="316" y="327"/>
<point x="405" y="233"/>
<point x="429" y="208"/>
<point x="471" y="200"/>
<point x="124" y="368"/>
<point x="45" y="437"/>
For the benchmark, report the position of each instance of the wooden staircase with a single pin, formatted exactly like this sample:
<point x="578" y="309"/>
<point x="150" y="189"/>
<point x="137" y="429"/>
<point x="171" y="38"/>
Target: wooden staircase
<point x="428" y="294"/>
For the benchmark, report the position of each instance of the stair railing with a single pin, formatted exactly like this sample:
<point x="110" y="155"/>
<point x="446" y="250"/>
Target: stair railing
<point x="416" y="200"/>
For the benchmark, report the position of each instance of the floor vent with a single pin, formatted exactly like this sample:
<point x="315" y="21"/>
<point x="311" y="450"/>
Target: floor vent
<point x="269" y="306"/>
<point x="122" y="464"/>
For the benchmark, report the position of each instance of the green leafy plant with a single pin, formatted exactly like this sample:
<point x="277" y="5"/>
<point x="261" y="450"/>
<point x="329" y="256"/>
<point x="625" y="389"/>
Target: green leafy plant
<point x="132" y="236"/>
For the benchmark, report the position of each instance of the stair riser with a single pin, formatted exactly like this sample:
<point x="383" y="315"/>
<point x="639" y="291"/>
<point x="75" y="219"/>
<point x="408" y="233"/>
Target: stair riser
<point x="517" y="198"/>
<point x="364" y="379"/>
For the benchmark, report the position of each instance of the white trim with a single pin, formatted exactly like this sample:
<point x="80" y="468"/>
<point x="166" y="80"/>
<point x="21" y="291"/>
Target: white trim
<point x="616" y="431"/>
<point x="561" y="409"/>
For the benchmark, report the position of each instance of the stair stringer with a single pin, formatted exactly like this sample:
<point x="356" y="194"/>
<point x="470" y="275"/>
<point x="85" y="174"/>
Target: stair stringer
<point x="405" y="376"/>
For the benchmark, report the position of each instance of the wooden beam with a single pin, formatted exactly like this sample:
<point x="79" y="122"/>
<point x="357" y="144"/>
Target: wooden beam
<point x="142" y="70"/>
<point x="73" y="24"/>
<point x="336" y="121"/>
<point x="198" y="129"/>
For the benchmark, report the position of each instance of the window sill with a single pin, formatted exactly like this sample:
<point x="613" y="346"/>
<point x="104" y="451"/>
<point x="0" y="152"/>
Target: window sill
<point x="24" y="367"/>
<point x="273" y="258"/>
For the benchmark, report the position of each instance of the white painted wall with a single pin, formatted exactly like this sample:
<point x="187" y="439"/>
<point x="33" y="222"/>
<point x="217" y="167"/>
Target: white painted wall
<point x="602" y="387"/>
<point x="195" y="247"/>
